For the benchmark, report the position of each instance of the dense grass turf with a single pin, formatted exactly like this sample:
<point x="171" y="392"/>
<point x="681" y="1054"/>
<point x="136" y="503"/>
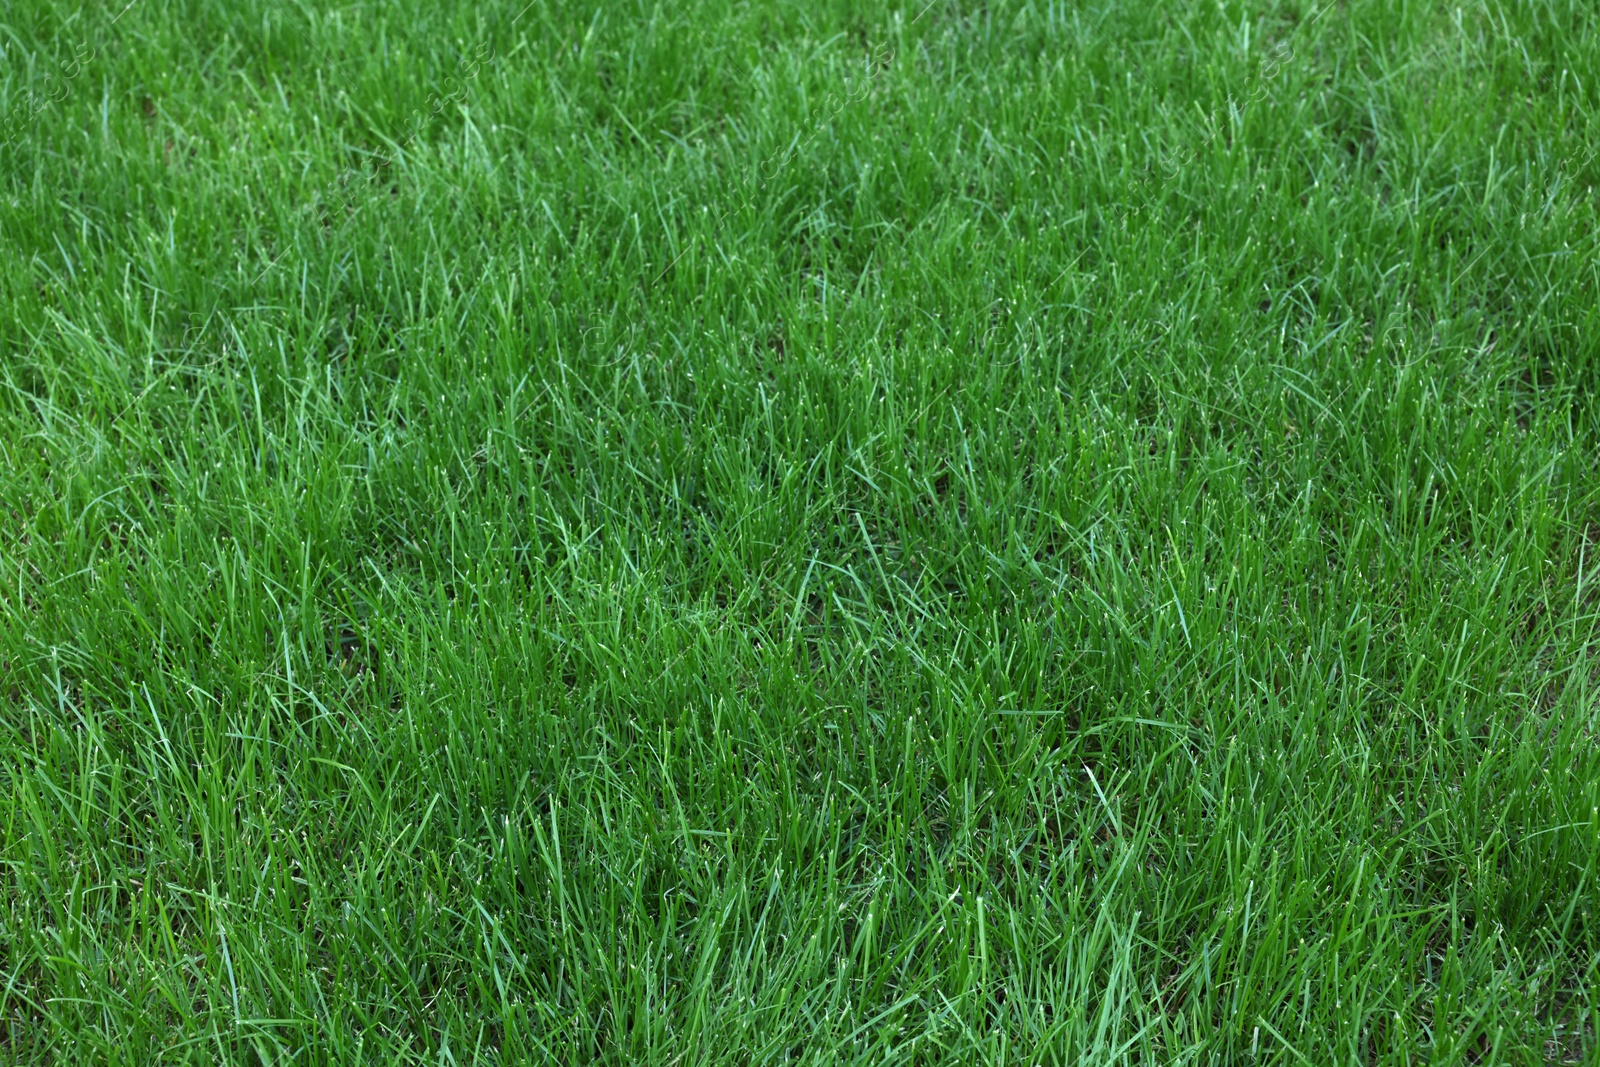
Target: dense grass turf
<point x="791" y="532"/>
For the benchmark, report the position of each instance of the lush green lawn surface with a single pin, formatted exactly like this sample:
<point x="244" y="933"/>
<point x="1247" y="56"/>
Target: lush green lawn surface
<point x="799" y="532"/>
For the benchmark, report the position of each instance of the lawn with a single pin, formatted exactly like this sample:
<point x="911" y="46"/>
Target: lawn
<point x="799" y="532"/>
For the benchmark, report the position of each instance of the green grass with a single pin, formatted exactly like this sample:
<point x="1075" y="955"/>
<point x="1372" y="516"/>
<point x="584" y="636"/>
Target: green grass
<point x="713" y="532"/>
